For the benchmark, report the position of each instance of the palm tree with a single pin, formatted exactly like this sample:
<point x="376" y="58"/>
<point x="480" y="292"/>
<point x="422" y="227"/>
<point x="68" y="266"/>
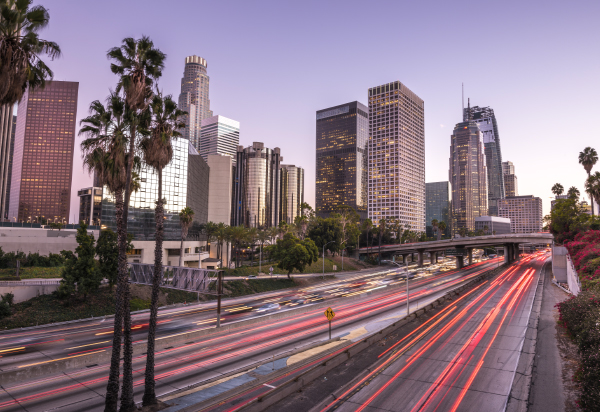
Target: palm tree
<point x="588" y="158"/>
<point x="238" y="236"/>
<point x="157" y="149"/>
<point x="210" y="230"/>
<point x="20" y="49"/>
<point x="262" y="236"/>
<point x="573" y="193"/>
<point x="381" y="230"/>
<point x="592" y="186"/>
<point x="186" y="217"/>
<point x="104" y="153"/>
<point x="221" y="233"/>
<point x="558" y="189"/>
<point x="138" y="64"/>
<point x="434" y="224"/>
<point x="368" y="225"/>
<point x="441" y="227"/>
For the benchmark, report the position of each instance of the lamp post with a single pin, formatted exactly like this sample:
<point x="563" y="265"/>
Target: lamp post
<point x="323" y="277"/>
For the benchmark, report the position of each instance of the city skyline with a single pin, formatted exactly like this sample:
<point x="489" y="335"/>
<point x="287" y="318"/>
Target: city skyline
<point x="339" y="76"/>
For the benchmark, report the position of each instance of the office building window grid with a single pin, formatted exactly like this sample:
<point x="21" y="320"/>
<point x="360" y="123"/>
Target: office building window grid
<point x="43" y="153"/>
<point x="524" y="212"/>
<point x="438" y="204"/>
<point x="396" y="150"/>
<point x="219" y="136"/>
<point x="292" y="192"/>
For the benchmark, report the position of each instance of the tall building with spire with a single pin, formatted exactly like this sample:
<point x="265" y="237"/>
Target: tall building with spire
<point x="194" y="98"/>
<point x="468" y="174"/>
<point x="488" y="126"/>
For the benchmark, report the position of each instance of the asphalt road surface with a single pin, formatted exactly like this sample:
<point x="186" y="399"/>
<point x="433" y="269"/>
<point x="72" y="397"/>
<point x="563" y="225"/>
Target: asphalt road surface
<point x="212" y="355"/>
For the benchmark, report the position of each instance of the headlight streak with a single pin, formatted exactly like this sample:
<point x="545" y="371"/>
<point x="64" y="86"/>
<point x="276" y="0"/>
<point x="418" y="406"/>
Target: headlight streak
<point x="347" y="313"/>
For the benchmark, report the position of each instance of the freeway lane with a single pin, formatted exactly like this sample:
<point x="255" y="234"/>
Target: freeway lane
<point x="19" y="348"/>
<point x="463" y="358"/>
<point x="218" y="353"/>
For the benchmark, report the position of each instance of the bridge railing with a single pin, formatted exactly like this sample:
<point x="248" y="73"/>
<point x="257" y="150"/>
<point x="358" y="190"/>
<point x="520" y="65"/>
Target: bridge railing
<point x="175" y="277"/>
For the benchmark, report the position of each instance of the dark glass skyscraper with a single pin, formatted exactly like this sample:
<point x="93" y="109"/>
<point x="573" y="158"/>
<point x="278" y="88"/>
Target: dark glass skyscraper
<point x="42" y="165"/>
<point x="438" y="198"/>
<point x="468" y="175"/>
<point x="486" y="120"/>
<point x="342" y="168"/>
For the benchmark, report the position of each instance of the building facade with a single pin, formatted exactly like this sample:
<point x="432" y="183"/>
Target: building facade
<point x="524" y="212"/>
<point x="292" y="193"/>
<point x="220" y="185"/>
<point x="396" y="151"/>
<point x="488" y="126"/>
<point x="219" y="136"/>
<point x="90" y="205"/>
<point x="438" y="198"/>
<point x="185" y="184"/>
<point x="257" y="186"/>
<point x="42" y="165"/>
<point x="194" y="98"/>
<point x="7" y="127"/>
<point x="342" y="163"/>
<point x="493" y="225"/>
<point x="510" y="179"/>
<point x="468" y="175"/>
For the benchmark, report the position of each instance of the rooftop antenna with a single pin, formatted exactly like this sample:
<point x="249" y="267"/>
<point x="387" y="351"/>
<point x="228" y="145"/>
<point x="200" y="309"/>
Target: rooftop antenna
<point x="463" y="101"/>
<point x="469" y="109"/>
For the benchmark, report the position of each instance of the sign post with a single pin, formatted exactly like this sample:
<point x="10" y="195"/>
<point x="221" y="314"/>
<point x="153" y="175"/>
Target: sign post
<point x="271" y="271"/>
<point x="329" y="314"/>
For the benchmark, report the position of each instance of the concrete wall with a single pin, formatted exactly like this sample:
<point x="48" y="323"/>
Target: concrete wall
<point x="147" y="252"/>
<point x="559" y="263"/>
<point x="25" y="290"/>
<point x="219" y="189"/>
<point x="42" y="241"/>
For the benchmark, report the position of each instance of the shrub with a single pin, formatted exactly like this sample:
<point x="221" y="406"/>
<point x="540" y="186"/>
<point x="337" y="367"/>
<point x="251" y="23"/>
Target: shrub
<point x="4" y="310"/>
<point x="8" y="298"/>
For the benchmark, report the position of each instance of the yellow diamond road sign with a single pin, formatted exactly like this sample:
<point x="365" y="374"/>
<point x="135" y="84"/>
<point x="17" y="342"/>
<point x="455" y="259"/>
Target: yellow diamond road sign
<point x="329" y="314"/>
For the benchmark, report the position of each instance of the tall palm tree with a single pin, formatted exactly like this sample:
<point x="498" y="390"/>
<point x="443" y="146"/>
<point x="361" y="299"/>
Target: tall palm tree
<point x="221" y="233"/>
<point x="210" y="230"/>
<point x="441" y="227"/>
<point x="381" y="230"/>
<point x="588" y="158"/>
<point x="368" y="225"/>
<point x="238" y="236"/>
<point x="558" y="189"/>
<point x="592" y="186"/>
<point x="157" y="149"/>
<point x="186" y="217"/>
<point x="434" y="224"/>
<point x="105" y="153"/>
<point x="21" y="47"/>
<point x="574" y="193"/>
<point x="138" y="64"/>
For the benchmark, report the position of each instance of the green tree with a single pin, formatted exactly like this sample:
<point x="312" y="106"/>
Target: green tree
<point x="222" y="236"/>
<point x="588" y="158"/>
<point x="435" y="225"/>
<point x="558" y="189"/>
<point x="573" y="193"/>
<point x="367" y="226"/>
<point x="592" y="187"/>
<point x="186" y="216"/>
<point x="80" y="275"/>
<point x="20" y="49"/>
<point x="293" y="253"/>
<point x="566" y="219"/>
<point x="325" y="231"/>
<point x="238" y="234"/>
<point x="442" y="228"/>
<point x="138" y="64"/>
<point x="107" y="250"/>
<point x="210" y="230"/>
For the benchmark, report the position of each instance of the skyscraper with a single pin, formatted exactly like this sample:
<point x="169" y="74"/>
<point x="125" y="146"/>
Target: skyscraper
<point x="342" y="164"/>
<point x="396" y="150"/>
<point x="219" y="136"/>
<point x="524" y="212"/>
<point x="90" y="205"/>
<point x="257" y="186"/>
<point x="488" y="126"/>
<point x="43" y="153"/>
<point x="194" y="98"/>
<point x="438" y="203"/>
<point x="292" y="192"/>
<point x="6" y="139"/>
<point x="510" y="179"/>
<point x="468" y="175"/>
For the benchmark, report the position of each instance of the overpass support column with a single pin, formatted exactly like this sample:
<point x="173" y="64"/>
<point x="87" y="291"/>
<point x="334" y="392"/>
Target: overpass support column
<point x="460" y="263"/>
<point x="420" y="253"/>
<point x="404" y="259"/>
<point x="507" y="253"/>
<point x="433" y="258"/>
<point x="470" y="253"/>
<point x="516" y="251"/>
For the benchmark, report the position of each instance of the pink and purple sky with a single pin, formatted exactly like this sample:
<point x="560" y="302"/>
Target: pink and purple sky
<point x="272" y="64"/>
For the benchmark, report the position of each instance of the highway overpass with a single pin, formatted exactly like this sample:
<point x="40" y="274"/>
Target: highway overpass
<point x="462" y="247"/>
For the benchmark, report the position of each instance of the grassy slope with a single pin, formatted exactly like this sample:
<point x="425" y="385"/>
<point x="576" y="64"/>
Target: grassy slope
<point x="31" y="273"/>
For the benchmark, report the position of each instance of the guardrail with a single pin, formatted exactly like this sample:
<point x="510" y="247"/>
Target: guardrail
<point x="572" y="277"/>
<point x="7" y="283"/>
<point x="176" y="277"/>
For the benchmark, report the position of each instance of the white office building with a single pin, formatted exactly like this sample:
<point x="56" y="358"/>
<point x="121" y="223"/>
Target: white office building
<point x="219" y="136"/>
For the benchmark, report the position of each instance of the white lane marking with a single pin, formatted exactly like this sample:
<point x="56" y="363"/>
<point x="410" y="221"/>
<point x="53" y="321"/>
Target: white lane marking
<point x="270" y="386"/>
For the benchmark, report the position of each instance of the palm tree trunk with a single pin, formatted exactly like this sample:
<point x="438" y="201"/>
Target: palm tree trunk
<point x="149" y="397"/>
<point x="127" y="403"/>
<point x="112" y="388"/>
<point x="591" y="198"/>
<point x="181" y="252"/>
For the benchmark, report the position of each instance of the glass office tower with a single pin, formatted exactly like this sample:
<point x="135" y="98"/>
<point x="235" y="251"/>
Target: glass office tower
<point x="42" y="164"/>
<point x="219" y="136"/>
<point x="438" y="197"/>
<point x="90" y="205"/>
<point x="342" y="164"/>
<point x="510" y="179"/>
<point x="292" y="192"/>
<point x="185" y="183"/>
<point x="396" y="149"/>
<point x="256" y="187"/>
<point x="468" y="175"/>
<point x="194" y="98"/>
<point x="488" y="126"/>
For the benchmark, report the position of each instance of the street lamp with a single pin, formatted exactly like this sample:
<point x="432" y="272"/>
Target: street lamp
<point x="323" y="277"/>
<point x="407" y="296"/>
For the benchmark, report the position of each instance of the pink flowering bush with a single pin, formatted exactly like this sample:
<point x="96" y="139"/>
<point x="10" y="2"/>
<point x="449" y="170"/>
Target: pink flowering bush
<point x="585" y="253"/>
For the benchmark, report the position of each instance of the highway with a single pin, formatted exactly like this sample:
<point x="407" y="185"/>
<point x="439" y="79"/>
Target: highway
<point x="463" y="358"/>
<point x="217" y="353"/>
